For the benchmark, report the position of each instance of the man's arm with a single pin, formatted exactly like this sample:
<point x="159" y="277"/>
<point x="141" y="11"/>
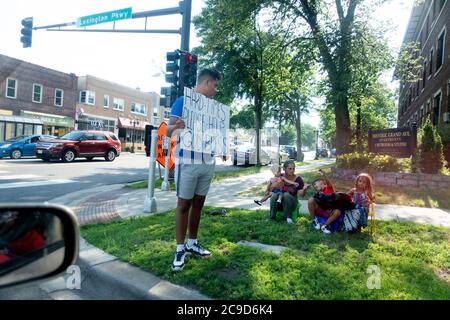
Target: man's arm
<point x="175" y="123"/>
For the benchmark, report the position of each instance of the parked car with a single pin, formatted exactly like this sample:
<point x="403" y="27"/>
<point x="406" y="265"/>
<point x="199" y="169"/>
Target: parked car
<point x="21" y="146"/>
<point x="322" y="152"/>
<point x="246" y="154"/>
<point x="290" y="150"/>
<point x="87" y="144"/>
<point x="333" y="152"/>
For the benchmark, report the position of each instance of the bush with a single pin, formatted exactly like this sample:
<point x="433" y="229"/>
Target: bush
<point x="430" y="158"/>
<point x="370" y="162"/>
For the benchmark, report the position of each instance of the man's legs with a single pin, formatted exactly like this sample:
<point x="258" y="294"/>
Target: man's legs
<point x="195" y="214"/>
<point x="181" y="220"/>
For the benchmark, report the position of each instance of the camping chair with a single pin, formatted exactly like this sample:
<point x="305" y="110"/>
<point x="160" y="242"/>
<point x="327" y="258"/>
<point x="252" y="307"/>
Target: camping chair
<point x="371" y="217"/>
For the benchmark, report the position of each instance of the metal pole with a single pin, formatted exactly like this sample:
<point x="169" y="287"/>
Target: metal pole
<point x="150" y="201"/>
<point x="317" y="145"/>
<point x="166" y="145"/>
<point x="185" y="6"/>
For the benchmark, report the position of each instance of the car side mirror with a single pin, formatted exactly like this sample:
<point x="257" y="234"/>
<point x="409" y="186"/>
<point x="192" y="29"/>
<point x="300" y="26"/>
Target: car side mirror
<point x="37" y="241"/>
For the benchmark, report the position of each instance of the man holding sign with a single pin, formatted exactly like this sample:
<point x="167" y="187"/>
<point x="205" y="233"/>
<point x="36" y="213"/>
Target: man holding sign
<point x="194" y="166"/>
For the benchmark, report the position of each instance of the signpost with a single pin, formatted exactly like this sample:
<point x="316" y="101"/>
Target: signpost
<point x="160" y="154"/>
<point x="104" y="17"/>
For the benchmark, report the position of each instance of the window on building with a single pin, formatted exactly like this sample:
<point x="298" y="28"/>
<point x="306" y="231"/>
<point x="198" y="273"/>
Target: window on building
<point x="155" y="111"/>
<point x="430" y="64"/>
<point x="440" y="50"/>
<point x="138" y="108"/>
<point x="11" y="88"/>
<point x="167" y="114"/>
<point x="37" y="93"/>
<point x="118" y="104"/>
<point x="59" y="97"/>
<point x="106" y="101"/>
<point x="424" y="74"/>
<point x="437" y="108"/>
<point x="87" y="97"/>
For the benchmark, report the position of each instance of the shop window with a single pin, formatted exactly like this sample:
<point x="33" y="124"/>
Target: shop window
<point x="59" y="97"/>
<point x="11" y="88"/>
<point x="2" y="131"/>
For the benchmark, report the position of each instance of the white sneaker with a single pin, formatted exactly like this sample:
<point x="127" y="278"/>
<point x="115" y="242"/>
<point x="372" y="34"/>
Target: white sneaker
<point x="316" y="224"/>
<point x="289" y="220"/>
<point x="178" y="261"/>
<point x="325" y="229"/>
<point x="198" y="250"/>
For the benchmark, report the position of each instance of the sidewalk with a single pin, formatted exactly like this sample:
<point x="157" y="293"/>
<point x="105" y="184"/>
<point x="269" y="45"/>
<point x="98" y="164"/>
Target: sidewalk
<point x="115" y="202"/>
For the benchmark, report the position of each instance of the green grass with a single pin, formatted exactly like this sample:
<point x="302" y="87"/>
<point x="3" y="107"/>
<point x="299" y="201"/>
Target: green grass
<point x="315" y="266"/>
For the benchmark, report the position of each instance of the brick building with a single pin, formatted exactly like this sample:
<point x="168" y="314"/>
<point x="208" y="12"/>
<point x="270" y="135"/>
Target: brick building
<point x="429" y="27"/>
<point x="105" y="105"/>
<point x="35" y="99"/>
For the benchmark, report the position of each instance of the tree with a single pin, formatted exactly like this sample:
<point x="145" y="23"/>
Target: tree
<point x="430" y="156"/>
<point x="246" y="44"/>
<point x="334" y="34"/>
<point x="244" y="118"/>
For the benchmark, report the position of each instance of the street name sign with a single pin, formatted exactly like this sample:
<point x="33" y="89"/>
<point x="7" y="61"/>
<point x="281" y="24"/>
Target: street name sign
<point x="104" y="17"/>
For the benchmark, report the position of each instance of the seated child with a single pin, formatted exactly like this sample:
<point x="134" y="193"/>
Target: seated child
<point x="276" y="185"/>
<point x="362" y="193"/>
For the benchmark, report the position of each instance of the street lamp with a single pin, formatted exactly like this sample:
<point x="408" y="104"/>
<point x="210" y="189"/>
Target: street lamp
<point x="134" y="122"/>
<point x="317" y="144"/>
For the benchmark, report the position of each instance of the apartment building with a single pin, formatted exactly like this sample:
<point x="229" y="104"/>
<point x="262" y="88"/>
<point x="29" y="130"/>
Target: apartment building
<point x="35" y="99"/>
<point x="429" y="27"/>
<point x="105" y="105"/>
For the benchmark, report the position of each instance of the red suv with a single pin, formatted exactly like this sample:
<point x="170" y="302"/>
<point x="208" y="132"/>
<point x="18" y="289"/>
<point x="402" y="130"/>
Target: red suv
<point x="87" y="144"/>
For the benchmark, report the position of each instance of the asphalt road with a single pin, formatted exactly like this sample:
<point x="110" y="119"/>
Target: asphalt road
<point x="32" y="180"/>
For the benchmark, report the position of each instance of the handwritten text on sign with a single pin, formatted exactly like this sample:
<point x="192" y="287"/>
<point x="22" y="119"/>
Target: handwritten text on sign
<point x="207" y="123"/>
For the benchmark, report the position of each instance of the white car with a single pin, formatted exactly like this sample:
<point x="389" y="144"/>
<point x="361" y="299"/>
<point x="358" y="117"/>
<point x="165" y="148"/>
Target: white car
<point x="246" y="154"/>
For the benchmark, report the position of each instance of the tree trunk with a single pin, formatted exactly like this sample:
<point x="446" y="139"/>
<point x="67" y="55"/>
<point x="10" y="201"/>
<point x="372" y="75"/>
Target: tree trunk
<point x="359" y="147"/>
<point x="298" y="129"/>
<point x="258" y="118"/>
<point x="343" y="131"/>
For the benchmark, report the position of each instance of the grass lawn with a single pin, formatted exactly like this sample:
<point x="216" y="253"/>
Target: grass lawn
<point x="414" y="259"/>
<point x="408" y="196"/>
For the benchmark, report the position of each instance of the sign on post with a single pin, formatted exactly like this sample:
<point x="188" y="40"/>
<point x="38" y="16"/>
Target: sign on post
<point x="160" y="157"/>
<point x="207" y="122"/>
<point x="104" y="17"/>
<point x="400" y="143"/>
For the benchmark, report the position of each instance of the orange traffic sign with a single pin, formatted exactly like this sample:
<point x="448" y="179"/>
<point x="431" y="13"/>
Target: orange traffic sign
<point x="160" y="157"/>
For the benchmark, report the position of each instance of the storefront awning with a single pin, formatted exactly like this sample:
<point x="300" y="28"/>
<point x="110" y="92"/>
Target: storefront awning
<point x="50" y="119"/>
<point x="19" y="119"/>
<point x="128" y="124"/>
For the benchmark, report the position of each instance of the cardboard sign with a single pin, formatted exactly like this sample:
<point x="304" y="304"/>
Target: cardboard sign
<point x="207" y="122"/>
<point x="160" y="157"/>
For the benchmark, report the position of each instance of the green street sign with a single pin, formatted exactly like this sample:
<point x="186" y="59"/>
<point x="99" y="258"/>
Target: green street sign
<point x="104" y="17"/>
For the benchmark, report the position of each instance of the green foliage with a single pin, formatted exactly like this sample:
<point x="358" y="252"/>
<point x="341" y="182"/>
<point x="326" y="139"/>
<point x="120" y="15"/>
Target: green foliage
<point x="370" y="162"/>
<point x="313" y="265"/>
<point x="429" y="151"/>
<point x="444" y="132"/>
<point x="244" y="118"/>
<point x="409" y="63"/>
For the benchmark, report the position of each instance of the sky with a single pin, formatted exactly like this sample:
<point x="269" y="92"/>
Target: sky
<point x="134" y="60"/>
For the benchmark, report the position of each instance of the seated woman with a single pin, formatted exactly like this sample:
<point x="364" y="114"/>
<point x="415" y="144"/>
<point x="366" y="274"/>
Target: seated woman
<point x="289" y="200"/>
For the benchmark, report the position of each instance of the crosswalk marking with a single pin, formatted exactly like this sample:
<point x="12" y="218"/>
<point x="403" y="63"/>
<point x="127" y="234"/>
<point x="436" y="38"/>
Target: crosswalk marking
<point x="33" y="183"/>
<point x="18" y="176"/>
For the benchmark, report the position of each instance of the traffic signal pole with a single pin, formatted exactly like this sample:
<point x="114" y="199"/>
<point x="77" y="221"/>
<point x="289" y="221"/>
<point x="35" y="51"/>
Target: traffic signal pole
<point x="184" y="9"/>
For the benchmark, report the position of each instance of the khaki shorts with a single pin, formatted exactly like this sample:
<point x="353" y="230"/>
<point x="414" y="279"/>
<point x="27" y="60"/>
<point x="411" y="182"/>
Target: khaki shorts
<point x="193" y="179"/>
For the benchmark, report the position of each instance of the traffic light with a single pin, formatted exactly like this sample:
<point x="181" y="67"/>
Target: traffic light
<point x="27" y="32"/>
<point x="172" y="78"/>
<point x="188" y="71"/>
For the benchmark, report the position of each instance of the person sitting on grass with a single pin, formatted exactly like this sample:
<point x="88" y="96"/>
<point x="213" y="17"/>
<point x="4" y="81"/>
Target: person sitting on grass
<point x="362" y="193"/>
<point x="276" y="185"/>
